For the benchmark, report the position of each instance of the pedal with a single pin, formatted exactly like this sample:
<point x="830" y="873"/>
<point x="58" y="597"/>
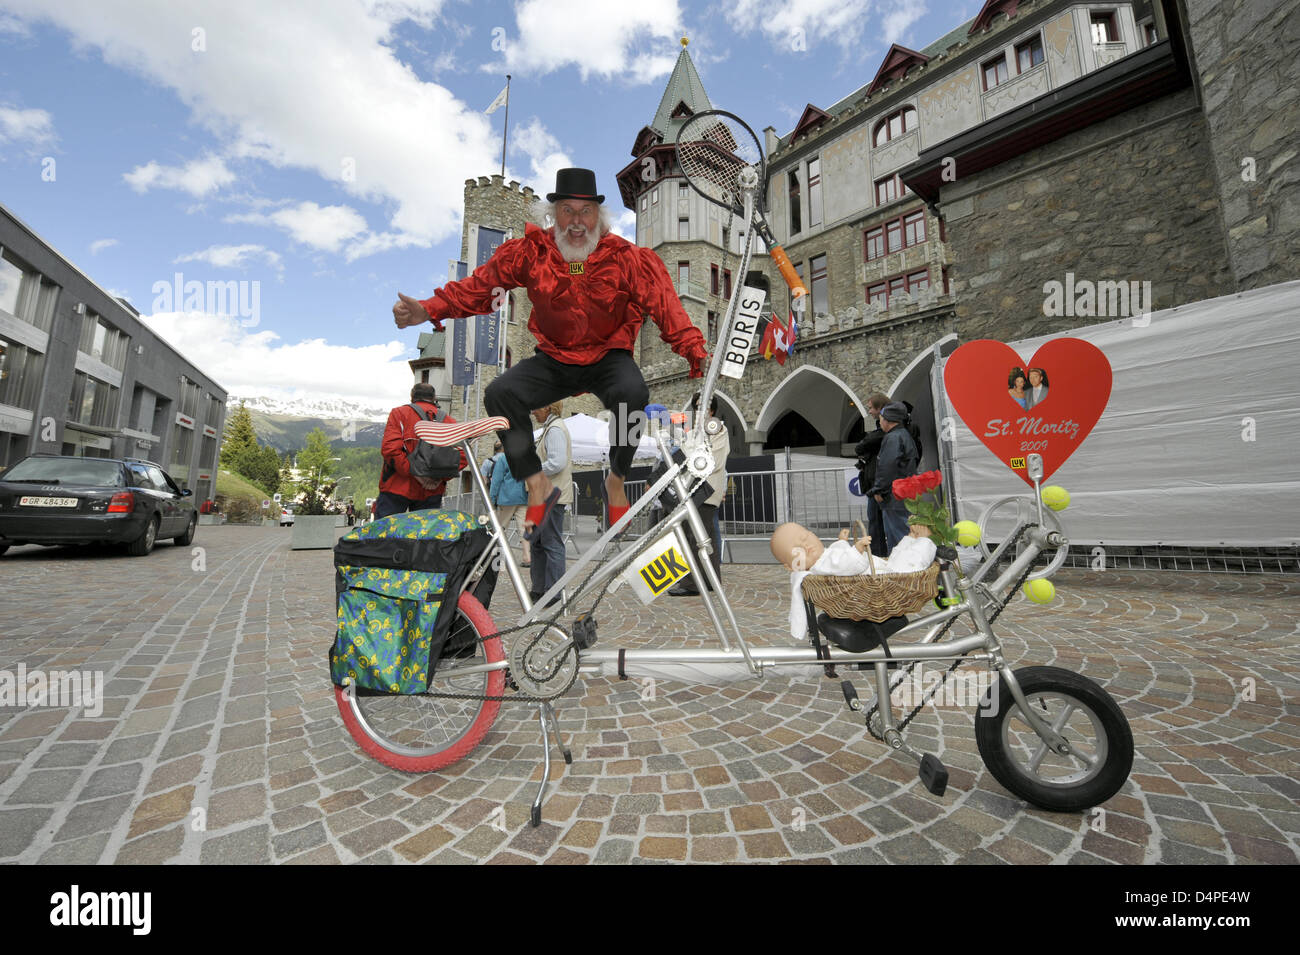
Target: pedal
<point x="584" y="632"/>
<point x="934" y="774"/>
<point x="851" y="695"/>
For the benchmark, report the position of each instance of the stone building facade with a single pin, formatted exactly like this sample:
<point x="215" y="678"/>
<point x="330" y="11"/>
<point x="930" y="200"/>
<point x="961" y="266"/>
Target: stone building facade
<point x="1146" y="148"/>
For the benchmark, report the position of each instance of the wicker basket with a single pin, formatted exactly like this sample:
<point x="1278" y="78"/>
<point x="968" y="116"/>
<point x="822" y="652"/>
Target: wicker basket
<point x="872" y="597"/>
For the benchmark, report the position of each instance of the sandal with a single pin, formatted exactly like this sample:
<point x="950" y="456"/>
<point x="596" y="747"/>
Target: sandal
<point x="536" y="513"/>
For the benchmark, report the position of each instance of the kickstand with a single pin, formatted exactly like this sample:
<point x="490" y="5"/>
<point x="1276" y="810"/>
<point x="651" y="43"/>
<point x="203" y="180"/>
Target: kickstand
<point x="550" y="725"/>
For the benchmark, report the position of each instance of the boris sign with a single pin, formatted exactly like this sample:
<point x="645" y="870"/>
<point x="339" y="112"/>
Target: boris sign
<point x="740" y="337"/>
<point x="1046" y="405"/>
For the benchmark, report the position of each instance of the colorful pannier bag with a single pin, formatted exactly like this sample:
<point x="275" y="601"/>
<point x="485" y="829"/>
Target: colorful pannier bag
<point x="397" y="581"/>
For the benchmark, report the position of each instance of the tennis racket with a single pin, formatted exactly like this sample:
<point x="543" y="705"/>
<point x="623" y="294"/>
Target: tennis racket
<point x="721" y="158"/>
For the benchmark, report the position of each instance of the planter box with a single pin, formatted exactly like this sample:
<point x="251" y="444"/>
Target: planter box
<point x="313" y="532"/>
<point x="212" y="518"/>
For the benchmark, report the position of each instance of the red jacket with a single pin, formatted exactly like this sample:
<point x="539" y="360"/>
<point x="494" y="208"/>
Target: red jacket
<point x="399" y="441"/>
<point x="576" y="319"/>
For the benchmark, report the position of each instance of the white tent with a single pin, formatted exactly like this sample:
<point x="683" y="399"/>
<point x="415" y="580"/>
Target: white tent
<point x="589" y="438"/>
<point x="1198" y="443"/>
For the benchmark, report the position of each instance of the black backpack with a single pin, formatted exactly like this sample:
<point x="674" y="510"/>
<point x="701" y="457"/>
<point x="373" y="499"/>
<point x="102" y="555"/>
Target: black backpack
<point x="429" y="461"/>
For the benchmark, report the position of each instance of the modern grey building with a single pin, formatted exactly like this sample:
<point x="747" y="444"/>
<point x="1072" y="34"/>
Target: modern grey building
<point x="81" y="374"/>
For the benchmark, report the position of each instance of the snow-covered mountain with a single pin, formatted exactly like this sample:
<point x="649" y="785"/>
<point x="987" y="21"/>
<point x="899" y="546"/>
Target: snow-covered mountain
<point x="328" y="408"/>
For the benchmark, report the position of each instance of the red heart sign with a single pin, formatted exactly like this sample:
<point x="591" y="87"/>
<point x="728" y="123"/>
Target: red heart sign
<point x="1045" y="406"/>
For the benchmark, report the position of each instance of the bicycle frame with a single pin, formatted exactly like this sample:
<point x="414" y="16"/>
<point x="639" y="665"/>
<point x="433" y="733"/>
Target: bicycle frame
<point x="976" y="596"/>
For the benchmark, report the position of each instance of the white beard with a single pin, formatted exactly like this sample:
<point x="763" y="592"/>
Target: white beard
<point x="573" y="249"/>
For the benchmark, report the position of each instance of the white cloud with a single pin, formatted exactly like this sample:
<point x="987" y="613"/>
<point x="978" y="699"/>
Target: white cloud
<point x="314" y="225"/>
<point x="198" y="177"/>
<point x="10" y="24"/>
<point x="244" y="360"/>
<point x="32" y="127"/>
<point x="625" y="224"/>
<point x="544" y="152"/>
<point x="323" y="91"/>
<point x="633" y="41"/>
<point x="798" y="25"/>
<point x="232" y="256"/>
<point x="100" y="244"/>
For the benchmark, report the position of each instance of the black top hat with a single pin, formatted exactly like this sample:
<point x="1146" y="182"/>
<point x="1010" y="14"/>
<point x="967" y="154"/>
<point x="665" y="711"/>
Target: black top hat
<point x="575" y="184"/>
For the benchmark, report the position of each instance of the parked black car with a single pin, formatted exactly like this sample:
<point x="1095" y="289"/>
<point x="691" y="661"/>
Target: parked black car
<point x="48" y="499"/>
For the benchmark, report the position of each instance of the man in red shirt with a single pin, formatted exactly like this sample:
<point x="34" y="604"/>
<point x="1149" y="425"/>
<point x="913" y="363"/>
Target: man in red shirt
<point x="591" y="291"/>
<point x="399" y="490"/>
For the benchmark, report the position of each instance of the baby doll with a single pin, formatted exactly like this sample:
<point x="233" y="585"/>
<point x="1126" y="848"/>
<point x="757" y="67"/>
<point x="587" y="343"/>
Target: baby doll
<point x="799" y="549"/>
<point x="802" y="553"/>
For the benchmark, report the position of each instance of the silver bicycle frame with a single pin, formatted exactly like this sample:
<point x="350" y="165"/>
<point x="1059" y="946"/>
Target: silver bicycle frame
<point x="982" y="645"/>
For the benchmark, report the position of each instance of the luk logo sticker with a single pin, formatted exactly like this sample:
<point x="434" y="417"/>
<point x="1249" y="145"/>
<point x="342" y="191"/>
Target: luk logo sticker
<point x="1017" y="463"/>
<point x="665" y="568"/>
<point x="576" y="268"/>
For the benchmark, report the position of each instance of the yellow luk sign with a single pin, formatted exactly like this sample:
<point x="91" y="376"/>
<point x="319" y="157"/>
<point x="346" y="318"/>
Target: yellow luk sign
<point x="664" y="566"/>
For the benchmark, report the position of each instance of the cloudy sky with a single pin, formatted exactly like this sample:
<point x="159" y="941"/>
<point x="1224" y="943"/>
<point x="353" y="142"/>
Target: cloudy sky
<point x="319" y="148"/>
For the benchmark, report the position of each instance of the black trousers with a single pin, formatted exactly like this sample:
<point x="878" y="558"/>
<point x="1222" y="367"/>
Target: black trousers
<point x="536" y="382"/>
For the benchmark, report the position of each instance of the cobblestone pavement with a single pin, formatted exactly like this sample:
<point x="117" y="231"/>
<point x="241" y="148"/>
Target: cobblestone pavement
<point x="220" y="741"/>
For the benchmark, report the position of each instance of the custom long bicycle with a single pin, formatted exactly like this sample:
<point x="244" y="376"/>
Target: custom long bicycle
<point x="1051" y="736"/>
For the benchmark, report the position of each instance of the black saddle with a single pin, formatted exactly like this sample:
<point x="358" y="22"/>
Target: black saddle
<point x="859" y="636"/>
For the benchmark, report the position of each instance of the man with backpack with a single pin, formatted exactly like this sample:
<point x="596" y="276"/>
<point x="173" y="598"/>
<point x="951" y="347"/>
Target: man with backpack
<point x="415" y="473"/>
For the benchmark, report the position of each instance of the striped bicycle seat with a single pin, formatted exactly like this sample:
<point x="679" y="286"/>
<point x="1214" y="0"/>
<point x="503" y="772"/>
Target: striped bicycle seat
<point x="446" y="433"/>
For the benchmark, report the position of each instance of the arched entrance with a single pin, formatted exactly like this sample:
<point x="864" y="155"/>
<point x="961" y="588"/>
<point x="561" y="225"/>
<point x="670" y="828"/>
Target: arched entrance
<point x="913" y="385"/>
<point x="812" y="405"/>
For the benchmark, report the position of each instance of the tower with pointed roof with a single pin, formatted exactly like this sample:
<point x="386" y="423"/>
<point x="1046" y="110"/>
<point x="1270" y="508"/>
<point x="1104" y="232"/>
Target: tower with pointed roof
<point x="686" y="231"/>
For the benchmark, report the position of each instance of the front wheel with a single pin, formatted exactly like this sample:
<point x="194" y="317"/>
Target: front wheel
<point x="1080" y="711"/>
<point x="421" y="733"/>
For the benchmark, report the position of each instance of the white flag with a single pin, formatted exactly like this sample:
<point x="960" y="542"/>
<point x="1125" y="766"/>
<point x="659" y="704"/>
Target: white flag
<point x="499" y="101"/>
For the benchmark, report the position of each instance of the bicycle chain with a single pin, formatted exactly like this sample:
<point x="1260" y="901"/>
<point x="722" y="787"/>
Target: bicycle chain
<point x="545" y="625"/>
<point x="929" y="694"/>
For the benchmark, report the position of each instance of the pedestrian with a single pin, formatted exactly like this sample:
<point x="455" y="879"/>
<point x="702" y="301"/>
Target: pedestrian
<point x="898" y="458"/>
<point x="720" y="444"/>
<point x="867" y="450"/>
<point x="591" y="291"/>
<point x="555" y="452"/>
<point x="400" y="490"/>
<point x="508" y="496"/>
<point x="351" y="513"/>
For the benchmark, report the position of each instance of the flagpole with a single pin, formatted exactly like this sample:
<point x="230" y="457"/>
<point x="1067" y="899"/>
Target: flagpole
<point x="505" y="130"/>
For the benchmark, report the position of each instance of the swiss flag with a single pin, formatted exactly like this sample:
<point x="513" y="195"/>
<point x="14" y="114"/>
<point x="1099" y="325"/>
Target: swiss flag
<point x="775" y="341"/>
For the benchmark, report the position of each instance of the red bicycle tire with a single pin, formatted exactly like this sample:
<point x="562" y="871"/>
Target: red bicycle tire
<point x="479" y="618"/>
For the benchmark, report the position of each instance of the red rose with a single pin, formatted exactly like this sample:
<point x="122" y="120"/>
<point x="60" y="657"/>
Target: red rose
<point x="930" y="480"/>
<point x="907" y="488"/>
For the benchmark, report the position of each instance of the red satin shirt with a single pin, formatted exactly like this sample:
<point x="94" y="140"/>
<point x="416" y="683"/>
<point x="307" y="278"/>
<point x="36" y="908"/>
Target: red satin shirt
<point x="577" y="317"/>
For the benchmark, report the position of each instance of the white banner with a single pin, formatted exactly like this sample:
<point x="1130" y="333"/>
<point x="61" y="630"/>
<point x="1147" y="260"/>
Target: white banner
<point x="1197" y="446"/>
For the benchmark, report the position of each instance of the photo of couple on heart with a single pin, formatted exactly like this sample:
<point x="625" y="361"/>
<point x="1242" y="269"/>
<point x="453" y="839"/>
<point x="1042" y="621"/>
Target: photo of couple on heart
<point x="1027" y="390"/>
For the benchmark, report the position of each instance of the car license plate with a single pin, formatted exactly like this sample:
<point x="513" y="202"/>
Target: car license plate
<point x="47" y="501"/>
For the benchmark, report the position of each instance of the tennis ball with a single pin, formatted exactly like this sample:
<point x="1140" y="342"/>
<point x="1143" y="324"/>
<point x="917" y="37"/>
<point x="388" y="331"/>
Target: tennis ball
<point x="968" y="533"/>
<point x="1040" y="591"/>
<point x="1056" y="497"/>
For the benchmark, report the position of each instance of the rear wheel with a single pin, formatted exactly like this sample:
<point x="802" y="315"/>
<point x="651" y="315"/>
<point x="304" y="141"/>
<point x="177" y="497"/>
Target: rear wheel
<point x="185" y="539"/>
<point x="143" y="544"/>
<point x="422" y="733"/>
<point x="1080" y="711"/>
